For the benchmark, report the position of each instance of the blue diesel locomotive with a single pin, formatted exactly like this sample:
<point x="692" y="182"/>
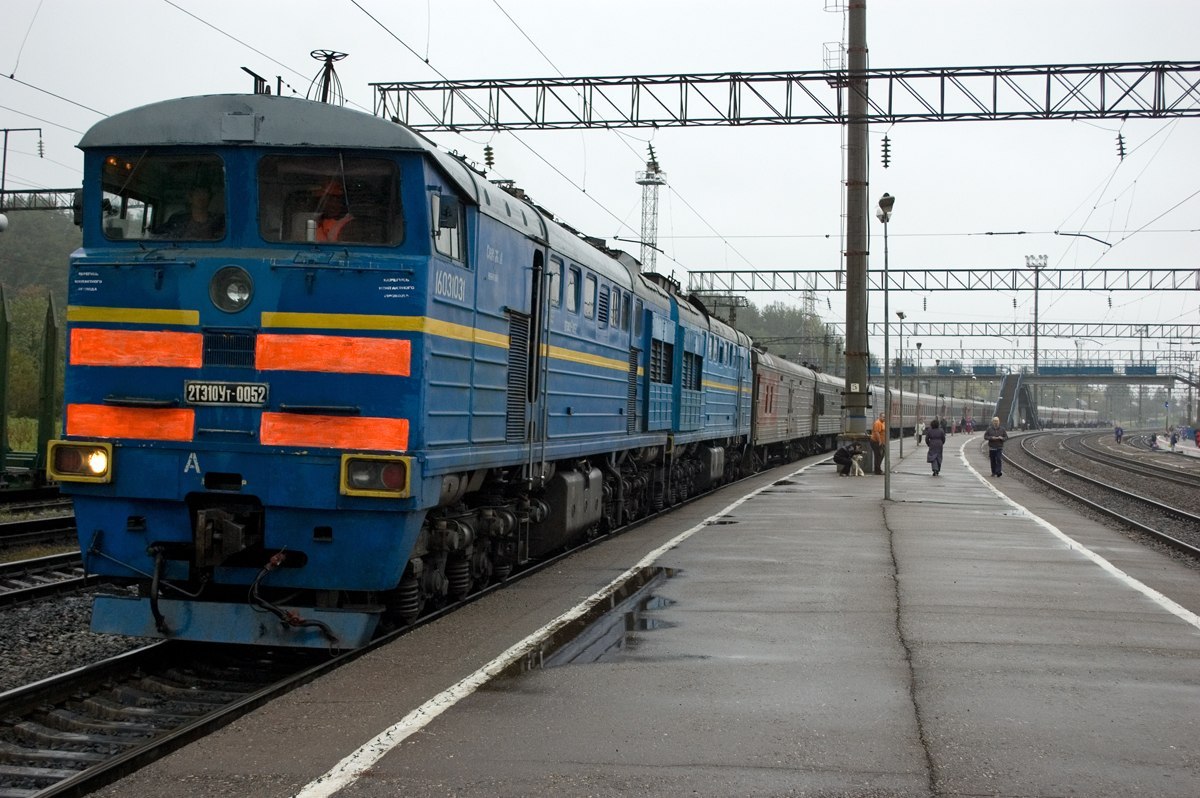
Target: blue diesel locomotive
<point x="320" y="373"/>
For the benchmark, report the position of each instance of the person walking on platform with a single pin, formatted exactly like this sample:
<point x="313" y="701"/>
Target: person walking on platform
<point x="996" y="436"/>
<point x="878" y="441"/>
<point x="935" y="439"/>
<point x="920" y="430"/>
<point x="1118" y="433"/>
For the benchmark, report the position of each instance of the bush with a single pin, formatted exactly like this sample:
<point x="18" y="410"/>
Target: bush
<point x="22" y="434"/>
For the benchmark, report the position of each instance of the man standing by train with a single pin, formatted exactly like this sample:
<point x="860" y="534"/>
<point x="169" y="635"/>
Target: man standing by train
<point x="996" y="435"/>
<point x="878" y="440"/>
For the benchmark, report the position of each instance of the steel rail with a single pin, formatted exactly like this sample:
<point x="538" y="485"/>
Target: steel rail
<point x="1157" y="534"/>
<point x="1145" y="469"/>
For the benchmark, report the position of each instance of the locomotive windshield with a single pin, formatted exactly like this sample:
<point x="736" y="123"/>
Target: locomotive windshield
<point x="151" y="196"/>
<point x="343" y="199"/>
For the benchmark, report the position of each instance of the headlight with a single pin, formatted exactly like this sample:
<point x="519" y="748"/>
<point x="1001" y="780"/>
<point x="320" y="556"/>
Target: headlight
<point x="375" y="475"/>
<point x="231" y="289"/>
<point x="71" y="461"/>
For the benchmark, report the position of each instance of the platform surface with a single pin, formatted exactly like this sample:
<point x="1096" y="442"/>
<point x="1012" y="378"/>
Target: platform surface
<point x="816" y="640"/>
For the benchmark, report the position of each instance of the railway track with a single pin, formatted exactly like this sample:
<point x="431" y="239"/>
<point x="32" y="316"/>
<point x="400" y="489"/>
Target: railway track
<point x="26" y="580"/>
<point x="46" y="530"/>
<point x="1164" y="521"/>
<point x="1145" y="462"/>
<point x="9" y="496"/>
<point x="72" y="734"/>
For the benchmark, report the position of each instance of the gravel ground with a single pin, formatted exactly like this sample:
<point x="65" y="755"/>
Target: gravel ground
<point x="52" y="636"/>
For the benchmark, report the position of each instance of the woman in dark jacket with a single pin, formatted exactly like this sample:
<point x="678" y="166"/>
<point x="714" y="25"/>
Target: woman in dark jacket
<point x="935" y="439"/>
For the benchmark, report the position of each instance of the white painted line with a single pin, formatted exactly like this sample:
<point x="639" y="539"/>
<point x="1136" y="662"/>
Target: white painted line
<point x="1158" y="598"/>
<point x="348" y="771"/>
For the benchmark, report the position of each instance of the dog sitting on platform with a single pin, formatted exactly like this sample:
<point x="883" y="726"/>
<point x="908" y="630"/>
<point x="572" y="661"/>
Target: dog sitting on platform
<point x="856" y="469"/>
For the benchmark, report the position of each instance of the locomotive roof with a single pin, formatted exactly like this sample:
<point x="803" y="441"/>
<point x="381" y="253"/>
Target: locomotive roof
<point x="262" y="119"/>
<point x="274" y="121"/>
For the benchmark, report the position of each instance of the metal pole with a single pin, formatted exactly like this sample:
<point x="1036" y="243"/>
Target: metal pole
<point x="916" y="386"/>
<point x="899" y="357"/>
<point x="856" y="394"/>
<point x="1037" y="263"/>
<point x="887" y="393"/>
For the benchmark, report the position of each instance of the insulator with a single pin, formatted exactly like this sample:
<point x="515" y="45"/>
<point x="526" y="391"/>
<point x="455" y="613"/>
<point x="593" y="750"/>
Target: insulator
<point x="1014" y="302"/>
<point x="887" y="152"/>
<point x="41" y="149"/>
<point x="488" y="156"/>
<point x="1110" y="302"/>
<point x="1121" y="146"/>
<point x="924" y="303"/>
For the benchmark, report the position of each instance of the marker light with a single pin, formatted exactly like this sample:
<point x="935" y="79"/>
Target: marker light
<point x="375" y="475"/>
<point x="73" y="461"/>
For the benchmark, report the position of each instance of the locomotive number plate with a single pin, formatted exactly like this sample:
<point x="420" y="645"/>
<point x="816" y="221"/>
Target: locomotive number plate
<point x="203" y="392"/>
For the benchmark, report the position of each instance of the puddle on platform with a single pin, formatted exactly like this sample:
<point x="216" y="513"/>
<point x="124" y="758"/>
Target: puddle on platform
<point x="721" y="521"/>
<point x="605" y="630"/>
<point x="786" y="482"/>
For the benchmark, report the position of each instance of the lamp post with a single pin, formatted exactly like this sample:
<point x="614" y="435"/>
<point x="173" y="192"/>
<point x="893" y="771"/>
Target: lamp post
<point x="900" y="371"/>
<point x="916" y="386"/>
<point x="1037" y="263"/>
<point x="884" y="215"/>
<point x="937" y="388"/>
<point x="950" y="412"/>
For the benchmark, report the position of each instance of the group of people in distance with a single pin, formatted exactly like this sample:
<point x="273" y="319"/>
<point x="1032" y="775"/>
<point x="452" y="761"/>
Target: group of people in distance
<point x="935" y="439"/>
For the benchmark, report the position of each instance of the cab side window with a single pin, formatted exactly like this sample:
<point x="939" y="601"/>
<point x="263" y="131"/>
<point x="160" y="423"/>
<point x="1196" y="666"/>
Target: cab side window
<point x="556" y="268"/>
<point x="572" y="290"/>
<point x="448" y="226"/>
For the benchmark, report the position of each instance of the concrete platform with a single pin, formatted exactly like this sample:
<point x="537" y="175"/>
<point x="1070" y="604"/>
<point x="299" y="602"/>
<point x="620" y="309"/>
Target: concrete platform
<point x="817" y="641"/>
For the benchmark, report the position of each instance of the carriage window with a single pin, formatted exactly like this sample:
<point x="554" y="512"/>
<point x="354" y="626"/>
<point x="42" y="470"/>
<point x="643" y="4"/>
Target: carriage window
<point x="153" y="196"/>
<point x="637" y="319"/>
<point x="555" y="282"/>
<point x="625" y="314"/>
<point x="340" y="199"/>
<point x="573" y="290"/>
<point x="615" y="305"/>
<point x="589" y="297"/>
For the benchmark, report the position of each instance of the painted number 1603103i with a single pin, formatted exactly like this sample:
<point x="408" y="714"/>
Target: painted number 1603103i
<point x="207" y="392"/>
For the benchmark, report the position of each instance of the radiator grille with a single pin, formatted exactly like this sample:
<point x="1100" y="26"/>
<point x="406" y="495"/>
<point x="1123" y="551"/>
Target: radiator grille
<point x="229" y="348"/>
<point x="518" y="376"/>
<point x="631" y="422"/>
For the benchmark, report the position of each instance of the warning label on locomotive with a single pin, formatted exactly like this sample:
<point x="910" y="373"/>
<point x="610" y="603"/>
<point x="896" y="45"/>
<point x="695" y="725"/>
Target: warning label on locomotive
<point x="201" y="392"/>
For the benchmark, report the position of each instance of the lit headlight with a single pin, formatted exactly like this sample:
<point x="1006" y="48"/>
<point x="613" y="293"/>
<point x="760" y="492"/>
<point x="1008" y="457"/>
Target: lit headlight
<point x="70" y="461"/>
<point x="231" y="289"/>
<point x="375" y="475"/>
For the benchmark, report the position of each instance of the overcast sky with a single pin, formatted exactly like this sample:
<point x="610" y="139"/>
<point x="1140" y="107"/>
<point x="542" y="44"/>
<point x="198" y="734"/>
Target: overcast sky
<point x="748" y="198"/>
